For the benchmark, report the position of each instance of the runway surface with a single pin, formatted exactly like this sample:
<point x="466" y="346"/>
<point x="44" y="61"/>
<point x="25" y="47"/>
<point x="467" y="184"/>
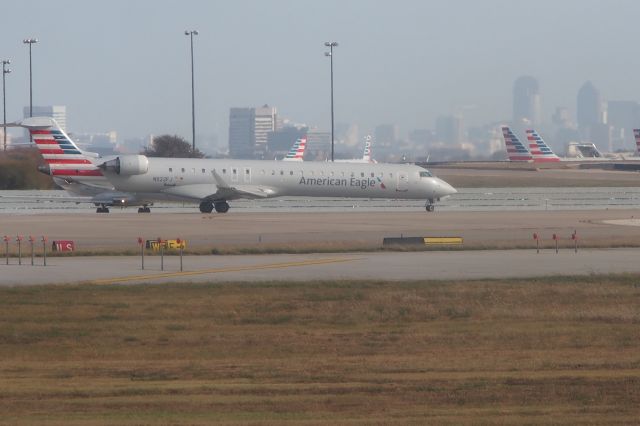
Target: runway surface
<point x="357" y="266"/>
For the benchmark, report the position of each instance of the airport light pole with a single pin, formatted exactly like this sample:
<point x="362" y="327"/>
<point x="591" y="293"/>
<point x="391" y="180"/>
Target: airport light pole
<point x="30" y="42"/>
<point x="193" y="102"/>
<point x="331" y="45"/>
<point x="5" y="71"/>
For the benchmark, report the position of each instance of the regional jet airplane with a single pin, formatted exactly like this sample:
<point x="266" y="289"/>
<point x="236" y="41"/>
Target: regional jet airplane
<point x="214" y="182"/>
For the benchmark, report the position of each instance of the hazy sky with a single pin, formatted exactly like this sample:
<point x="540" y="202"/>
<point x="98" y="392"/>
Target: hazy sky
<point x="124" y="65"/>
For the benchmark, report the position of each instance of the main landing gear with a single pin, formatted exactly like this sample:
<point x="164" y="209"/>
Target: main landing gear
<point x="144" y="209"/>
<point x="208" y="206"/>
<point x="221" y="206"/>
<point x="102" y="209"/>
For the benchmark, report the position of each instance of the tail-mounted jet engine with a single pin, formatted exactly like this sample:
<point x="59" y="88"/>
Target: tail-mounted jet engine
<point x="127" y="165"/>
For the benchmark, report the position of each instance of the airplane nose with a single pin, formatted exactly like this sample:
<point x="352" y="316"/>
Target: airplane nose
<point x="446" y="189"/>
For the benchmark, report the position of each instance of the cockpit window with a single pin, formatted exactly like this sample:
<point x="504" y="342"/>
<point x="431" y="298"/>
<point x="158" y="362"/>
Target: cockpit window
<point x="426" y="173"/>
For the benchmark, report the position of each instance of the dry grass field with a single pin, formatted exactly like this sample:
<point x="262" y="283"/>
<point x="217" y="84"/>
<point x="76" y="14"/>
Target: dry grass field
<point x="544" y="351"/>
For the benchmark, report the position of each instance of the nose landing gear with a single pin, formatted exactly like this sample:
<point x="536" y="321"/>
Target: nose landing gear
<point x="430" y="206"/>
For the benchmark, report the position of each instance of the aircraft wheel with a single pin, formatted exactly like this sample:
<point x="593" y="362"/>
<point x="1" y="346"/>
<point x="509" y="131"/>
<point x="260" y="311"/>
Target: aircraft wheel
<point x="206" y="207"/>
<point x="144" y="209"/>
<point x="430" y="207"/>
<point x="102" y="210"/>
<point x="222" y="207"/>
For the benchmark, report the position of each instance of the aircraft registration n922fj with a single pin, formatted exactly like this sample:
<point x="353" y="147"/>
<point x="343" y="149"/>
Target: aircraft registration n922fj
<point x="214" y="182"/>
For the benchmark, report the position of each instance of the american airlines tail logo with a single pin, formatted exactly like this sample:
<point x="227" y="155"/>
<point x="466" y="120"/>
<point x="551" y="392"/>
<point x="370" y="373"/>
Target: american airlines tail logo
<point x="61" y="154"/>
<point x="516" y="151"/>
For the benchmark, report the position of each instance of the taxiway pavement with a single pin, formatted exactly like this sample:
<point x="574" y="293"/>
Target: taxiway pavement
<point x="399" y="266"/>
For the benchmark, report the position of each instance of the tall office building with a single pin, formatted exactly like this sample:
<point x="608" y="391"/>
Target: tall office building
<point x="264" y="123"/>
<point x="623" y="116"/>
<point x="589" y="103"/>
<point x="241" y="132"/>
<point x="526" y="102"/>
<point x="591" y="117"/>
<point x="249" y="129"/>
<point x="57" y="112"/>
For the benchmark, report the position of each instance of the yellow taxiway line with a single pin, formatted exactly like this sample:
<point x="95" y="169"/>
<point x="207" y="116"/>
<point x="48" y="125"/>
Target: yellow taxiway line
<point x="220" y="270"/>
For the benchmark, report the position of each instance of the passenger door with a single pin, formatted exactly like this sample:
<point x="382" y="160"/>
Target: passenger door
<point x="403" y="182"/>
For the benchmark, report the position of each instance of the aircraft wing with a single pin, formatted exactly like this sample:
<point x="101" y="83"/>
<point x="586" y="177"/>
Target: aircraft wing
<point x="215" y="192"/>
<point x="220" y="190"/>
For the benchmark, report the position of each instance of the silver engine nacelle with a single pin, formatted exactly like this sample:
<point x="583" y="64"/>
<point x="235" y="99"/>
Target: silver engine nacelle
<point x="127" y="165"/>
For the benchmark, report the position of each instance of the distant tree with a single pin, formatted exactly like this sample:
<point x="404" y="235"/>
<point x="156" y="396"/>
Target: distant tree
<point x="19" y="170"/>
<point x="171" y="146"/>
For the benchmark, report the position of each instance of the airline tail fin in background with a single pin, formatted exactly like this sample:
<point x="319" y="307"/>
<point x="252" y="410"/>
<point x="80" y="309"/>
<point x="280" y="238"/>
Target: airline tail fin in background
<point x="516" y="151"/>
<point x="296" y="153"/>
<point x="540" y="151"/>
<point x="366" y="157"/>
<point x="636" y="135"/>
<point x="60" y="153"/>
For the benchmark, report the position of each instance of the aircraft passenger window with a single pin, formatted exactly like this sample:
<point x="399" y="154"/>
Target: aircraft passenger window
<point x="281" y="172"/>
<point x="362" y="174"/>
<point x="203" y="171"/>
<point x="246" y="171"/>
<point x="235" y="171"/>
<point x="183" y="170"/>
<point x="224" y="171"/>
<point x="291" y="172"/>
<point x="373" y="174"/>
<point x="170" y="169"/>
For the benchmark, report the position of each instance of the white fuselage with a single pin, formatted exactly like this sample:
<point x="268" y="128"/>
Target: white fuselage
<point x="200" y="179"/>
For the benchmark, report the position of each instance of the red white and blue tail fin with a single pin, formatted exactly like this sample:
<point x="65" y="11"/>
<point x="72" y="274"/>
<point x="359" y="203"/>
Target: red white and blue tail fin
<point x="636" y="135"/>
<point x="296" y="153"/>
<point x="516" y="151"/>
<point x="60" y="153"/>
<point x="539" y="149"/>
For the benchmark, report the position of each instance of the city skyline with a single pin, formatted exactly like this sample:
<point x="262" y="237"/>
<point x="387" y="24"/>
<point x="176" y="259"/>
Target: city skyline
<point x="126" y="66"/>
